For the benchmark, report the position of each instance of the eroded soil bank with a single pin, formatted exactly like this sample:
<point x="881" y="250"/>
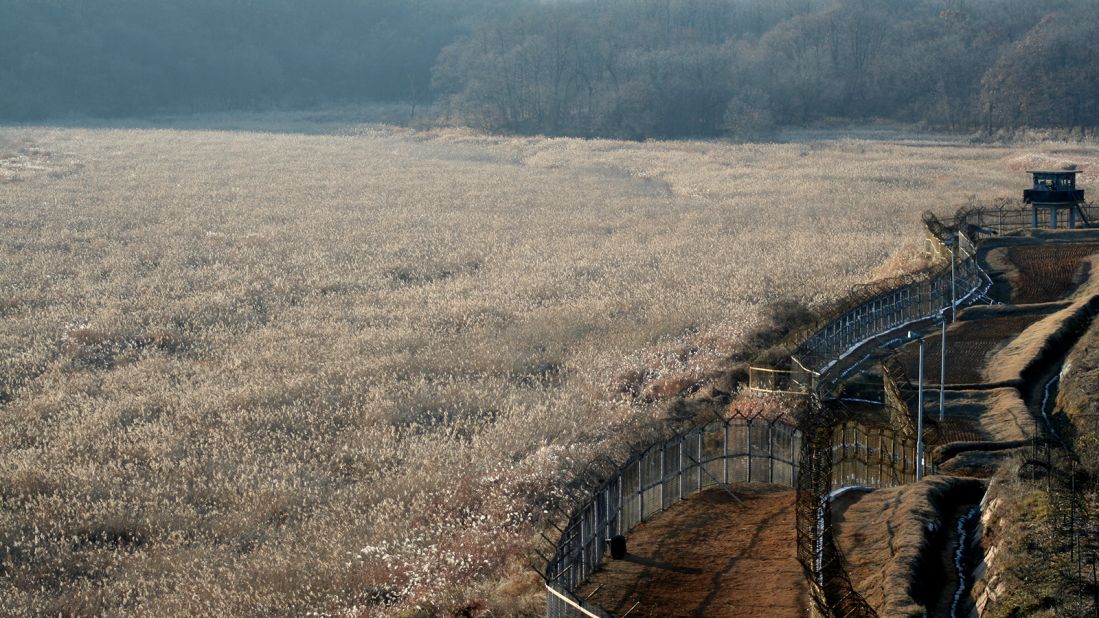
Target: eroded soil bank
<point x="900" y="542"/>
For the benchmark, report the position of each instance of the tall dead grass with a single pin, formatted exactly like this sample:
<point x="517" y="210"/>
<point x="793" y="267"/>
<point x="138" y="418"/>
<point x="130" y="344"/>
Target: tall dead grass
<point x="269" y="374"/>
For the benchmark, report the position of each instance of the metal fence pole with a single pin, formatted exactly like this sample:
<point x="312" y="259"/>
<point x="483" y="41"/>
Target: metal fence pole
<point x="748" y="436"/>
<point x="701" y="461"/>
<point x="953" y="285"/>
<point x="725" y="452"/>
<point x="662" y="446"/>
<point x="919" y="419"/>
<point x="682" y="477"/>
<point x="942" y="375"/>
<point x="618" y="517"/>
<point x="770" y="453"/>
<point x="607" y="511"/>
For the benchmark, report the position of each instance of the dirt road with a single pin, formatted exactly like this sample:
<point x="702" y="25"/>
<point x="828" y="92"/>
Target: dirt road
<point x="710" y="556"/>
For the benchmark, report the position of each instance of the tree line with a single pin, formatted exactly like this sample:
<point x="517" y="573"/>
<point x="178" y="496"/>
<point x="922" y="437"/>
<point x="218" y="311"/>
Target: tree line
<point x="618" y="68"/>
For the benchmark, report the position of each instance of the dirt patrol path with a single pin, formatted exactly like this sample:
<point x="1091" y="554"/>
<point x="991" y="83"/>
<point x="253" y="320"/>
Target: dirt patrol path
<point x="710" y="556"/>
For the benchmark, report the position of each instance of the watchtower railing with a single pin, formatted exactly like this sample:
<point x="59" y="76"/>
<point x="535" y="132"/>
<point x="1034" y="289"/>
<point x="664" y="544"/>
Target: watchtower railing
<point x="1006" y="217"/>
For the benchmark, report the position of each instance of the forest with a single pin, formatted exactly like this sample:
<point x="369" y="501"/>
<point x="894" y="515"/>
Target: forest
<point x="632" y="69"/>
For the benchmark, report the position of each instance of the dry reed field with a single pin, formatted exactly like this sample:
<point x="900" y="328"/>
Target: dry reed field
<point x="249" y="373"/>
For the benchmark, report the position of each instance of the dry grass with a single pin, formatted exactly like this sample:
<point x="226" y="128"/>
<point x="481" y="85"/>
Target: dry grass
<point x="269" y="374"/>
<point x="1028" y="350"/>
<point x="993" y="415"/>
<point x="1023" y="572"/>
<point x="971" y="347"/>
<point x="1078" y="397"/>
<point x="892" y="539"/>
<point x="1045" y="273"/>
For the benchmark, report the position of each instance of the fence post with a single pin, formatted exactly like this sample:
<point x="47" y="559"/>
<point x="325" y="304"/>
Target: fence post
<point x="748" y="435"/>
<point x="582" y="536"/>
<point x="881" y="458"/>
<point x="641" y="488"/>
<point x="661" y="489"/>
<point x="725" y="452"/>
<point x="607" y="511"/>
<point x="618" y="517"/>
<point x="682" y="470"/>
<point x="701" y="461"/>
<point x="771" y="452"/>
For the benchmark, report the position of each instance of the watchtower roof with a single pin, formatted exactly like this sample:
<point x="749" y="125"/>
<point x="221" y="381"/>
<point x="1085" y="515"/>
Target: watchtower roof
<point x="1054" y="171"/>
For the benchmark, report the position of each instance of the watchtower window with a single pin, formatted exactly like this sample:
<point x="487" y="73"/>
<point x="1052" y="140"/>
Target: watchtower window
<point x="1055" y="181"/>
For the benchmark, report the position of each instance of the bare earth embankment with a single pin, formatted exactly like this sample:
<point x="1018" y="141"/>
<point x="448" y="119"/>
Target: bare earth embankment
<point x="248" y="373"/>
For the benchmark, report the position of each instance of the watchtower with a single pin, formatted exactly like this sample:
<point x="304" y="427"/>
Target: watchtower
<point x="1055" y="191"/>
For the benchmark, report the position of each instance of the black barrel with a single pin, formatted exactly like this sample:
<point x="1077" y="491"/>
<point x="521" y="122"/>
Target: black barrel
<point x="618" y="547"/>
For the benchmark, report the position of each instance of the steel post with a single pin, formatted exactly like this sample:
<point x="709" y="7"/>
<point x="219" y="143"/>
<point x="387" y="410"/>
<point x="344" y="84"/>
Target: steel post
<point x="919" y="417"/>
<point x="942" y="375"/>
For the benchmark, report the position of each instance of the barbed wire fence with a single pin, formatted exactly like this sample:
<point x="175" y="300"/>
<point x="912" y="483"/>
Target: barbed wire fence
<point x="817" y="455"/>
<point x="1005" y="216"/>
<point x="742" y="449"/>
<point x="840" y="453"/>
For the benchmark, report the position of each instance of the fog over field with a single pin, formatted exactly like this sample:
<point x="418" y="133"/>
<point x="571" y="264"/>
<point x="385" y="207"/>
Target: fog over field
<point x="272" y="373"/>
<point x="612" y="68"/>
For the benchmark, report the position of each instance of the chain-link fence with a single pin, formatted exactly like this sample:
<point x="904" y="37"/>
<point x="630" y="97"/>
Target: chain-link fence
<point x="780" y="381"/>
<point x="757" y="450"/>
<point x="907" y="304"/>
<point x="872" y="311"/>
<point x="738" y="450"/>
<point x="873" y="456"/>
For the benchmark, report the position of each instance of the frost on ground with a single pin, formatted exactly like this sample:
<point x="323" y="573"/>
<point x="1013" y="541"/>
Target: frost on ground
<point x="262" y="373"/>
<point x="21" y="159"/>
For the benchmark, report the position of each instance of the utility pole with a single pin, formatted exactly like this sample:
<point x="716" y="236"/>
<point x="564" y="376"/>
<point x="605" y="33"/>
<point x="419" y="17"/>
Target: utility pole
<point x="942" y="374"/>
<point x="919" y="408"/>
<point x="953" y="280"/>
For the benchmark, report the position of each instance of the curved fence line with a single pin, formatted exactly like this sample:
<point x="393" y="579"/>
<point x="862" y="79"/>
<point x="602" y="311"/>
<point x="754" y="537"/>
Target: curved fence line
<point x="738" y="450"/>
<point x="757" y="450"/>
<point x="915" y="299"/>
